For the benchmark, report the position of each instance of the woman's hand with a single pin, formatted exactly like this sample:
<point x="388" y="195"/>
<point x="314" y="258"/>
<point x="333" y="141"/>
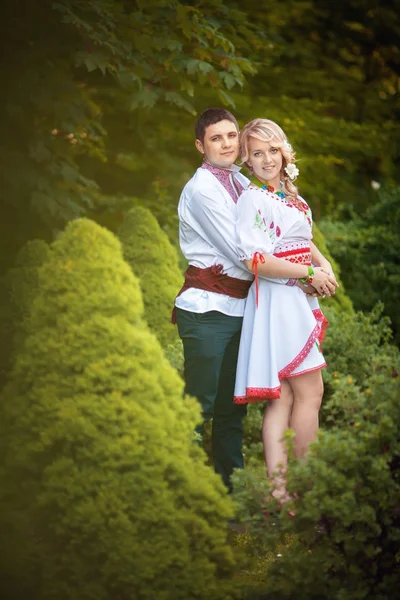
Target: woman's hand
<point x="324" y="281"/>
<point x="326" y="266"/>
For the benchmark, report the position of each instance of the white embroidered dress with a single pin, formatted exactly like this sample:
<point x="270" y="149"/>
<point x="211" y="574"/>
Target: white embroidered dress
<point x="281" y="337"/>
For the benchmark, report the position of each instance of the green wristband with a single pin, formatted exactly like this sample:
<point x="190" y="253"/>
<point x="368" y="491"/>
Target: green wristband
<point x="309" y="277"/>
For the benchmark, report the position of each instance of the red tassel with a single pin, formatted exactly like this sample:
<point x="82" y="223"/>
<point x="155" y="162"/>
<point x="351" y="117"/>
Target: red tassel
<point x="257" y="257"/>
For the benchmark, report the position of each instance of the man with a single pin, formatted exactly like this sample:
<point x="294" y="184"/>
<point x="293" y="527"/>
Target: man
<point x="210" y="306"/>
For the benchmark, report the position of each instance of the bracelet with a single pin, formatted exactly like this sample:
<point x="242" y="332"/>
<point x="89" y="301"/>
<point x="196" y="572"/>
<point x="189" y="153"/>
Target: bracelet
<point x="291" y="282"/>
<point x="309" y="277"/>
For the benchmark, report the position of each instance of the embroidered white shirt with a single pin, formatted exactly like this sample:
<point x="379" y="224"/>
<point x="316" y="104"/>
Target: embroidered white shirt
<point x="207" y="236"/>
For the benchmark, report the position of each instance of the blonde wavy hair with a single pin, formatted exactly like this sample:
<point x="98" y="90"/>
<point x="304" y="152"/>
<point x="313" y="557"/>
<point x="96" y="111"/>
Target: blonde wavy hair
<point x="268" y="131"/>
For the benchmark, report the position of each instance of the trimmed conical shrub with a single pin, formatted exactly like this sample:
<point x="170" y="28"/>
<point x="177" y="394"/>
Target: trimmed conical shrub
<point x="154" y="261"/>
<point x="103" y="494"/>
<point x="17" y="291"/>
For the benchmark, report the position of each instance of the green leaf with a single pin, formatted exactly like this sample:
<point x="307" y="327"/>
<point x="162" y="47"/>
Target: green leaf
<point x="226" y="99"/>
<point x="145" y="97"/>
<point x="229" y="80"/>
<point x="178" y="100"/>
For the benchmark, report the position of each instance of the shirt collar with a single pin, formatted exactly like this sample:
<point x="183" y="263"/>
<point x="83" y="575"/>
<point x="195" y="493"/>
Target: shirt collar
<point x="222" y="170"/>
<point x="223" y="176"/>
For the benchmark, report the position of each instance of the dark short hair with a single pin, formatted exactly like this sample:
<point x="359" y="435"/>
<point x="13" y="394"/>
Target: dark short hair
<point x="210" y="117"/>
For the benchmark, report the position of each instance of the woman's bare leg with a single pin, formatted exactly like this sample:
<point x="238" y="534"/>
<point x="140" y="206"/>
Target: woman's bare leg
<point x="275" y="422"/>
<point x="307" y="396"/>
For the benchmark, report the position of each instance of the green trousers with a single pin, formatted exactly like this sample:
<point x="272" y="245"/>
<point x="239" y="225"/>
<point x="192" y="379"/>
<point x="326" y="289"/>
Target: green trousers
<point x="211" y="345"/>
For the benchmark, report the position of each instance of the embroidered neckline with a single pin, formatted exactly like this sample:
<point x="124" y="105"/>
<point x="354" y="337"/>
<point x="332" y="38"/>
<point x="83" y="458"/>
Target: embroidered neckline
<point x="301" y="205"/>
<point x="227" y="179"/>
<point x="233" y="169"/>
<point x="271" y="189"/>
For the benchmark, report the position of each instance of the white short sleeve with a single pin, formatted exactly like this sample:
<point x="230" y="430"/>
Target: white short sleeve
<point x="258" y="226"/>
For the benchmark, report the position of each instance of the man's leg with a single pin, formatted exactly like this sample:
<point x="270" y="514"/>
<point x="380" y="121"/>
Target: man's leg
<point x="227" y="432"/>
<point x="203" y="351"/>
<point x="210" y="343"/>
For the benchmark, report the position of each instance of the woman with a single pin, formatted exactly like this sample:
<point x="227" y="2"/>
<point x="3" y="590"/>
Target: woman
<point x="280" y="358"/>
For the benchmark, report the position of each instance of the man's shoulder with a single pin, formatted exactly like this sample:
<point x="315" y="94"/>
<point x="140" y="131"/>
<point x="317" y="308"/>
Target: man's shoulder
<point x="200" y="178"/>
<point x="202" y="182"/>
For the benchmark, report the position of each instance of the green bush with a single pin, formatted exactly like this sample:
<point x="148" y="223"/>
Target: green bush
<point x="102" y="492"/>
<point x="344" y="540"/>
<point x="358" y="344"/>
<point x="340" y="300"/>
<point x="367" y="247"/>
<point x="17" y="291"/>
<point x="154" y="261"/>
<point x="174" y="353"/>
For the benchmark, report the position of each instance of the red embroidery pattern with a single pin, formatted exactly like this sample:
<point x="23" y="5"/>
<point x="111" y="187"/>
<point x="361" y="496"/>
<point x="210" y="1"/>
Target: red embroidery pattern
<point x="298" y="202"/>
<point x="258" y="394"/>
<point x="298" y="245"/>
<point x="285" y="372"/>
<point x="261" y="223"/>
<point x="323" y="323"/>
<point x="223" y="176"/>
<point x="307" y="370"/>
<point x="300" y="256"/>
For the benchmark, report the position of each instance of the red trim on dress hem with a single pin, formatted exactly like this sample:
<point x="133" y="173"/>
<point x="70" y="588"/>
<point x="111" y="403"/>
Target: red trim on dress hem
<point x="285" y="372"/>
<point x="307" y="371"/>
<point x="260" y="394"/>
<point x="321" y="318"/>
<point x="263" y="394"/>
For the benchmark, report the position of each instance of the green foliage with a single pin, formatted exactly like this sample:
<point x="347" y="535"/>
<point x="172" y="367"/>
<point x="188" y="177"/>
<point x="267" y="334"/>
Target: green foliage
<point x="18" y="289"/>
<point x="358" y="345"/>
<point x="340" y="300"/>
<point x="103" y="494"/>
<point x="174" y="353"/>
<point x="344" y="540"/>
<point x="155" y="262"/>
<point x="69" y="63"/>
<point x="368" y="249"/>
<point x="333" y="80"/>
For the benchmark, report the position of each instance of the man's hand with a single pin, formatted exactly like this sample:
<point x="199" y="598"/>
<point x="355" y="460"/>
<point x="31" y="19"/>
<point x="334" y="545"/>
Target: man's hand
<point x="309" y="290"/>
